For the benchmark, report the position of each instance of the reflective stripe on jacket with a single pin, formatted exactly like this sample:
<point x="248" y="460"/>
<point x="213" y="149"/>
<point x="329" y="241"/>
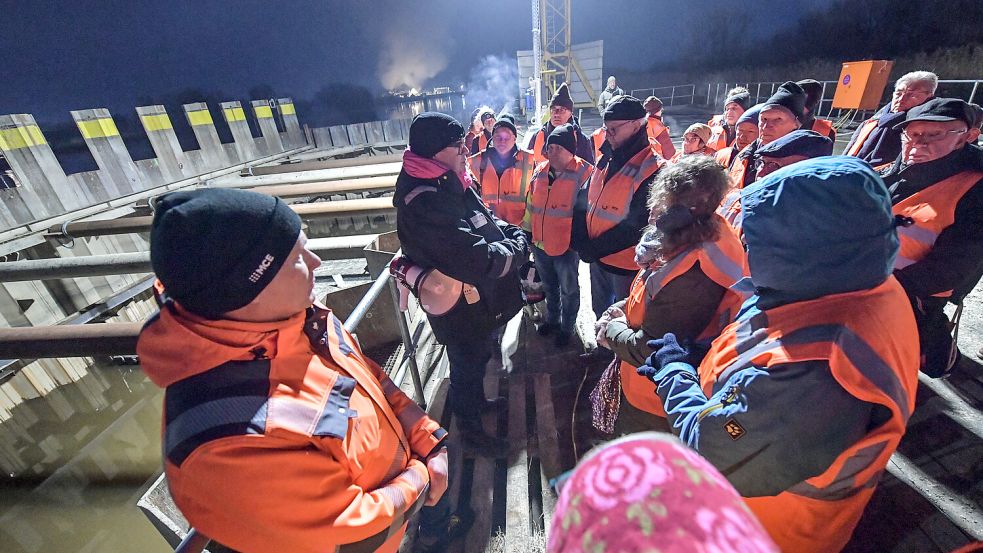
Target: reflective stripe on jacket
<point x="860" y="136"/>
<point x="869" y="340"/>
<point x="724" y="262"/>
<point x="549" y="208"/>
<point x="283" y="436"/>
<point x="932" y="210"/>
<point x="505" y="196"/>
<point x="608" y="200"/>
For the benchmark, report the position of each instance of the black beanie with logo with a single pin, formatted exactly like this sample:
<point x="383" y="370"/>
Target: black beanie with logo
<point x="215" y="249"/>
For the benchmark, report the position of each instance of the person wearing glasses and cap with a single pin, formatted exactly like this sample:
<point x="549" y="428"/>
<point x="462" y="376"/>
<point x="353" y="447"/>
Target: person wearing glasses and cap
<point x="936" y="185"/>
<point x="878" y="140"/>
<point x="442" y="224"/>
<point x="611" y="214"/>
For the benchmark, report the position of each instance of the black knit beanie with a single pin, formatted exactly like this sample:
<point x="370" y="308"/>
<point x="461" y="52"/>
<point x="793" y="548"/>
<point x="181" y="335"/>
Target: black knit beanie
<point x="742" y="99"/>
<point x="789" y="96"/>
<point x="431" y="132"/>
<point x="216" y="249"/>
<point x="562" y="97"/>
<point x="814" y="92"/>
<point x="624" y="108"/>
<point x="508" y="121"/>
<point x="564" y="135"/>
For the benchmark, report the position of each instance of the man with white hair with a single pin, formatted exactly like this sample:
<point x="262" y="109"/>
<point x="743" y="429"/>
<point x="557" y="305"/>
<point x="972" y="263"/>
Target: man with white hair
<point x="608" y="94"/>
<point x="877" y="140"/>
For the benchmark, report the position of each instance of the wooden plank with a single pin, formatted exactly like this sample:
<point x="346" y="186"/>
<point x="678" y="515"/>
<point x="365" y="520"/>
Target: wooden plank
<point x="483" y="484"/>
<point x="517" y="527"/>
<point x="549" y="448"/>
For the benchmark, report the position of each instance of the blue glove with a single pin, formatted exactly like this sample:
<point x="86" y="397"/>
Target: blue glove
<point x="667" y="350"/>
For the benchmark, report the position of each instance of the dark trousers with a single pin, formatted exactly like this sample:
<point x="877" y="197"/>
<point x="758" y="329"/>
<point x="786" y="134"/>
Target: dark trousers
<point x="934" y="335"/>
<point x="467" y="359"/>
<point x="607" y="288"/>
<point x="559" y="274"/>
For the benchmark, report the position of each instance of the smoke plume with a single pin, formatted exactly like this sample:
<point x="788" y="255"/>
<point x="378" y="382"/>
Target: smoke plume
<point x="494" y="82"/>
<point x="410" y="57"/>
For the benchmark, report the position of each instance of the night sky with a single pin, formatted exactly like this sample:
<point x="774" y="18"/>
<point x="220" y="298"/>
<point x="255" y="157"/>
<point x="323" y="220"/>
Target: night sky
<point x="59" y="56"/>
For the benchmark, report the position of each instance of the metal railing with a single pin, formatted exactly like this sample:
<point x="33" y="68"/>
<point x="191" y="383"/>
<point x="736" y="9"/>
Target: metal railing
<point x="967" y="89"/>
<point x="194" y="541"/>
<point x="680" y="94"/>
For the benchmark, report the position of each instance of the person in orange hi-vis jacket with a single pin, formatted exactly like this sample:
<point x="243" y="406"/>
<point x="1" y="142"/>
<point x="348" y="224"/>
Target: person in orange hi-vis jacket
<point x="279" y="433"/>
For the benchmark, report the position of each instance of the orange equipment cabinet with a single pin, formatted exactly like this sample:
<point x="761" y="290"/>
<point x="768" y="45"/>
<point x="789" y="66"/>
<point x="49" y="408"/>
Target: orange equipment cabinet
<point x="862" y="84"/>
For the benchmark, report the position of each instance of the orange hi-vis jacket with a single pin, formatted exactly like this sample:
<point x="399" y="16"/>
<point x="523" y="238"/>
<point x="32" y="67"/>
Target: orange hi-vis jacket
<point x="861" y="134"/>
<point x="718" y="139"/>
<point x="724" y="262"/>
<point x="725" y="156"/>
<point x="823" y="127"/>
<point x="539" y="141"/>
<point x="597" y="138"/>
<point x="608" y="200"/>
<point x="654" y="128"/>
<point x="505" y="196"/>
<point x="870" y="341"/>
<point x="549" y="207"/>
<point x="931" y="210"/>
<point x="283" y="436"/>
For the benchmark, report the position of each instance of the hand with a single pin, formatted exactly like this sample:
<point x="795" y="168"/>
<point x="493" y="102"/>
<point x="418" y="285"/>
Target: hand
<point x="437" y="467"/>
<point x="667" y="350"/>
<point x="615" y="311"/>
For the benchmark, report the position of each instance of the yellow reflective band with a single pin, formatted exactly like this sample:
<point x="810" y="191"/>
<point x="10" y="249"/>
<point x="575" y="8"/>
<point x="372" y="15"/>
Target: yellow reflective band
<point x="98" y="128"/>
<point x="264" y="112"/>
<point x="287" y="109"/>
<point x="234" y="114"/>
<point x="159" y="122"/>
<point x="21" y="137"/>
<point x="201" y="117"/>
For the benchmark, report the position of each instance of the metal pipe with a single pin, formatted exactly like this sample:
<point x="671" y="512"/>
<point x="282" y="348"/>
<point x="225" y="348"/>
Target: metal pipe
<point x="334" y="247"/>
<point x="370" y="184"/>
<point x="320" y="175"/>
<point x="409" y="345"/>
<point x="85" y="340"/>
<point x="337" y="208"/>
<point x="74" y="267"/>
<point x="318" y="165"/>
<point x="353" y="320"/>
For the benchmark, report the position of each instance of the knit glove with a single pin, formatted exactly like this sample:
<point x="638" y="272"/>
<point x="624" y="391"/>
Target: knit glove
<point x="667" y="350"/>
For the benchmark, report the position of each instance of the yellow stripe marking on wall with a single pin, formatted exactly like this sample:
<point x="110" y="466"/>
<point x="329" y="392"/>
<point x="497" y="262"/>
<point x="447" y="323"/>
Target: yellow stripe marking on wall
<point x="201" y="117"/>
<point x="263" y="112"/>
<point x="98" y="128"/>
<point x="158" y="122"/>
<point x="234" y="114"/>
<point x="21" y="137"/>
<point x="287" y="109"/>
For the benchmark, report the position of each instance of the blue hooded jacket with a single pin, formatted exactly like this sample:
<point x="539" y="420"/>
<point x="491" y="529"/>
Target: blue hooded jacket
<point x="818" y="227"/>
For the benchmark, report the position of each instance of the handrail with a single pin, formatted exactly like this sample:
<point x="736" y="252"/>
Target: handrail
<point x="194" y="541"/>
<point x="672" y="93"/>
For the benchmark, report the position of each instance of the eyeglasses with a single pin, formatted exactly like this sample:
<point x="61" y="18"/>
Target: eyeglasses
<point x="929" y="137"/>
<point x="899" y="92"/>
<point x="768" y="166"/>
<point x="613" y="129"/>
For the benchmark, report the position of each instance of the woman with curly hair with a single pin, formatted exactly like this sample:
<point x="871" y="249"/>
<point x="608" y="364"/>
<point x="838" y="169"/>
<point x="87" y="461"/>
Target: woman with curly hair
<point x="689" y="259"/>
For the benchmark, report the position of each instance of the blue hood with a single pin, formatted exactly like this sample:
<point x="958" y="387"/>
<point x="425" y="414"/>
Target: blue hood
<point x="818" y="227"/>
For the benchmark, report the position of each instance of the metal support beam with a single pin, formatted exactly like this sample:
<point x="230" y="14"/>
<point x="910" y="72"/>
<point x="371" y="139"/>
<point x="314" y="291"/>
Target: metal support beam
<point x="335" y="247"/>
<point x="296" y="167"/>
<point x="69" y="341"/>
<point x="349" y="186"/>
<point x="322" y="175"/>
<point x="338" y="208"/>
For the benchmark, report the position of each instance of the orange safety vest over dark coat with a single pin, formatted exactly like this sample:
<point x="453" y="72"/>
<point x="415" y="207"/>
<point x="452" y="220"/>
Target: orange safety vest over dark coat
<point x="931" y="210"/>
<point x="860" y="136"/>
<point x="549" y="207"/>
<point x="597" y="138"/>
<point x="725" y="156"/>
<point x="608" y="200"/>
<point x="823" y="127"/>
<point x="724" y="262"/>
<point x="505" y="196"/>
<point x="869" y="340"/>
<point x="718" y="138"/>
<point x="654" y="128"/>
<point x="283" y="436"/>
